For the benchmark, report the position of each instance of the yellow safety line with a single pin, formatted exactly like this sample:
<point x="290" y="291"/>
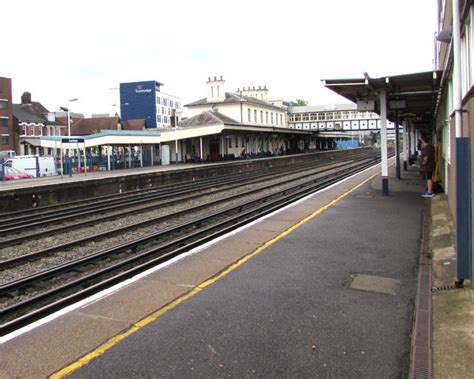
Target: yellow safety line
<point x="155" y="315"/>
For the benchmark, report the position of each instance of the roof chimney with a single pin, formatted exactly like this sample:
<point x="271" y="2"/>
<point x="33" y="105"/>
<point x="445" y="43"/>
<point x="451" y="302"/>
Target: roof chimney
<point x="26" y="98"/>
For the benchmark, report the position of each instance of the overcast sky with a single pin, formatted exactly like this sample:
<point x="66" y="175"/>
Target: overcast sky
<point x="59" y="50"/>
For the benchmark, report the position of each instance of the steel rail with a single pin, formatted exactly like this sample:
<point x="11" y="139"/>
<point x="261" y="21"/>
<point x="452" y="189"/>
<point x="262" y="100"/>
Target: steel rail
<point x="57" y="229"/>
<point x="25" y="217"/>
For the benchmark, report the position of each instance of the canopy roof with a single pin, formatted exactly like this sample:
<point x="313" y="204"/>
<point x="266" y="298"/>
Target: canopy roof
<point x="419" y="92"/>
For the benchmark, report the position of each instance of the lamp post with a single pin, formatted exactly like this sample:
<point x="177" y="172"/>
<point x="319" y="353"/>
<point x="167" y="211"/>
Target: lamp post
<point x="68" y="110"/>
<point x="176" y="114"/>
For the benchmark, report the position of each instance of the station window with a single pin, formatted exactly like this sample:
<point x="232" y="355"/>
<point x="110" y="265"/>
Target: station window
<point x="255" y="115"/>
<point x="249" y="114"/>
<point x="261" y="117"/>
<point x="266" y="117"/>
<point x="281" y="119"/>
<point x="229" y="140"/>
<point x="237" y="141"/>
<point x="271" y="118"/>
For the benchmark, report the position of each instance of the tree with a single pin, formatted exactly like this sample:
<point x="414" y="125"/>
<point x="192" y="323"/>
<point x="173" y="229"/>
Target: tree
<point x="298" y="103"/>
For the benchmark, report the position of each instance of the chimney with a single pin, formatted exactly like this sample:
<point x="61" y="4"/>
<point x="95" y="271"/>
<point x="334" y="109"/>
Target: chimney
<point x="26" y="98"/>
<point x="215" y="90"/>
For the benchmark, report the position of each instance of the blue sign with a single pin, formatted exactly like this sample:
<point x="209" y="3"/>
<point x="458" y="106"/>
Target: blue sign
<point x="72" y="140"/>
<point x="138" y="101"/>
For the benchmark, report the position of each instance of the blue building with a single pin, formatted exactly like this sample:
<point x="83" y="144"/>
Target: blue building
<point x="144" y="100"/>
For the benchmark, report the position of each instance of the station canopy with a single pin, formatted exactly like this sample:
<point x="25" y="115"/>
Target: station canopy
<point x="414" y="96"/>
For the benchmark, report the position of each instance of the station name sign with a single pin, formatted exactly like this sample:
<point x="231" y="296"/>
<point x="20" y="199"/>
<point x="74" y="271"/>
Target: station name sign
<point x="72" y="140"/>
<point x="144" y="90"/>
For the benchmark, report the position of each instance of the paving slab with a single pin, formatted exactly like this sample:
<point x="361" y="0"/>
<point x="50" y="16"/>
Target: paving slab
<point x="39" y="353"/>
<point x="142" y="297"/>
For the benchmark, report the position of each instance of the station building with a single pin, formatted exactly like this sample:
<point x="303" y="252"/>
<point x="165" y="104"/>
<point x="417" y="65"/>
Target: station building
<point x="334" y="117"/>
<point x="144" y="100"/>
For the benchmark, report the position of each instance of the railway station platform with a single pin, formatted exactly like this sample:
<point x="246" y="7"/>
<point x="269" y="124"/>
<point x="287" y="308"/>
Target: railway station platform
<point x="328" y="287"/>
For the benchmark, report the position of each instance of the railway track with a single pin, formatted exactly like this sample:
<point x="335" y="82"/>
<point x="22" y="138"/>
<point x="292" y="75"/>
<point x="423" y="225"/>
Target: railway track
<point x="48" y="290"/>
<point x="15" y="223"/>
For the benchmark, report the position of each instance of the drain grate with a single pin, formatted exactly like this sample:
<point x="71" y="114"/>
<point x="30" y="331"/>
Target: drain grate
<point x="446" y="288"/>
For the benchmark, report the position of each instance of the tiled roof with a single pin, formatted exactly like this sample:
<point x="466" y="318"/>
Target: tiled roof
<point x="138" y="124"/>
<point x="207" y="118"/>
<point x="23" y="115"/>
<point x="231" y="97"/>
<point x="87" y="126"/>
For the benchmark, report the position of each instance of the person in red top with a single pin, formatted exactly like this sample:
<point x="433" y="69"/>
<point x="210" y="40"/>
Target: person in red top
<point x="427" y="164"/>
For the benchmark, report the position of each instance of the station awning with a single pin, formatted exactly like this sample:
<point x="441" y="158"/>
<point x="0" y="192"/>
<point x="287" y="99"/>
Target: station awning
<point x="413" y="96"/>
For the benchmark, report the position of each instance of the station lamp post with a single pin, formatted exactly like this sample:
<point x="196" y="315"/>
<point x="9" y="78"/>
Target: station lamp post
<point x="68" y="110"/>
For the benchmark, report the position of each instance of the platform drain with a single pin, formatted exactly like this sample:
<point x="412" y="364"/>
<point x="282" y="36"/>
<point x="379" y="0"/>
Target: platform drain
<point x="444" y="288"/>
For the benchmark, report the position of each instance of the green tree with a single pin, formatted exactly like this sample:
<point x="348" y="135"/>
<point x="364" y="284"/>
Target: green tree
<point x="298" y="103"/>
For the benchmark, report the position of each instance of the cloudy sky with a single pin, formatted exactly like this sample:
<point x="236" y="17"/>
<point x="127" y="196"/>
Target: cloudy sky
<point x="59" y="50"/>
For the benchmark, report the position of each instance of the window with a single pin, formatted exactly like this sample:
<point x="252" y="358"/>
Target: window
<point x="276" y="118"/>
<point x="158" y="118"/>
<point x="212" y="91"/>
<point x="467" y="64"/>
<point x="266" y="117"/>
<point x="254" y="115"/>
<point x="249" y="114"/>
<point x="171" y="103"/>
<point x="5" y="140"/>
<point x="165" y="119"/>
<point x="165" y="101"/>
<point x="158" y="100"/>
<point x="281" y="119"/>
<point x="229" y="140"/>
<point x="4" y="121"/>
<point x="261" y="117"/>
<point x="271" y="117"/>
<point x="3" y="104"/>
<point x="236" y="141"/>
<point x="163" y="110"/>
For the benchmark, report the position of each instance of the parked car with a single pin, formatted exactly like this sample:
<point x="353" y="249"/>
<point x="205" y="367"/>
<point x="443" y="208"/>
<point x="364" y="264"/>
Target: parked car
<point x="12" y="173"/>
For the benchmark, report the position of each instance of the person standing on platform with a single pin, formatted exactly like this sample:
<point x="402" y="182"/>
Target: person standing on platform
<point x="427" y="163"/>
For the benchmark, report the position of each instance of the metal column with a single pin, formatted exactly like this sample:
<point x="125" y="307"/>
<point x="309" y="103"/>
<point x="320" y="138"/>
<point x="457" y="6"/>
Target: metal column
<point x="405" y="152"/>
<point x="383" y="140"/>
<point x="397" y="145"/>
<point x="200" y="148"/>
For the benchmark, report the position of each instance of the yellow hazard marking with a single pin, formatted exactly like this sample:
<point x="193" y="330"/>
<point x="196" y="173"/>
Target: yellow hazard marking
<point x="155" y="315"/>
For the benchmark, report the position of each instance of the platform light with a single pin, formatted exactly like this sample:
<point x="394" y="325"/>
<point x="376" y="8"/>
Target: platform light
<point x="68" y="110"/>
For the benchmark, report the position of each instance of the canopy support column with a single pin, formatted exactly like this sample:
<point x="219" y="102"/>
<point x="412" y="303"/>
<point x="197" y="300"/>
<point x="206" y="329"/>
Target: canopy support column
<point x="383" y="140"/>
